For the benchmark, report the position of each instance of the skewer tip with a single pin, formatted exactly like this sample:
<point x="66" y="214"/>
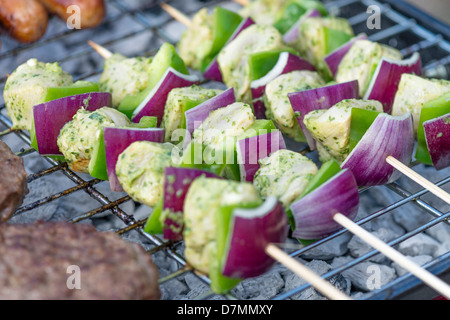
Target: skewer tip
<point x="176" y="14"/>
<point x="105" y="53"/>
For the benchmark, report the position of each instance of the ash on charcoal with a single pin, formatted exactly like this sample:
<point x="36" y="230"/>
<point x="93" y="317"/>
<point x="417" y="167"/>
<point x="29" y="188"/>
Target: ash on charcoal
<point x="419" y="260"/>
<point x="358" y="247"/>
<point x="263" y="287"/>
<point x="366" y="275"/>
<point x="330" y="249"/>
<point x="38" y="190"/>
<point x="420" y="244"/>
<point x="293" y="281"/>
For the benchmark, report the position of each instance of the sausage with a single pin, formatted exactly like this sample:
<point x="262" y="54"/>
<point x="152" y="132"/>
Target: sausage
<point x="25" y="20"/>
<point x="91" y="11"/>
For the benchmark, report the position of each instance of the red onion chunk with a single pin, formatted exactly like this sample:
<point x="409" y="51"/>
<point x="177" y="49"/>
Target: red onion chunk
<point x="287" y="62"/>
<point x="118" y="139"/>
<point x="50" y="117"/>
<point x="196" y="116"/>
<point x="321" y="98"/>
<point x="213" y="72"/>
<point x="153" y="105"/>
<point x="313" y="213"/>
<point x="251" y="231"/>
<point x="293" y="33"/>
<point x="252" y="149"/>
<point x="177" y="181"/>
<point x="387" y="136"/>
<point x="385" y="81"/>
<point x="437" y="136"/>
<point x="333" y="59"/>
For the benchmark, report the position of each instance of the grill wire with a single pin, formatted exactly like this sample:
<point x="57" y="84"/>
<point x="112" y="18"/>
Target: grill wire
<point x="152" y="27"/>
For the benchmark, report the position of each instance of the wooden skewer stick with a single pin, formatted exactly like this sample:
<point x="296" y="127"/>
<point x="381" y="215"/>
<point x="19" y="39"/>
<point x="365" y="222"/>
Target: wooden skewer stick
<point x="105" y="53"/>
<point x="176" y="14"/>
<point x="421" y="273"/>
<point x="326" y="288"/>
<point x="242" y="2"/>
<point x="419" y="179"/>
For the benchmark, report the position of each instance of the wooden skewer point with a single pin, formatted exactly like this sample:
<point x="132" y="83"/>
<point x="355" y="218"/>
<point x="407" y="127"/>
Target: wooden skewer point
<point x="242" y="2"/>
<point x="326" y="288"/>
<point x="105" y="53"/>
<point x="421" y="273"/>
<point x="419" y="179"/>
<point x="176" y="14"/>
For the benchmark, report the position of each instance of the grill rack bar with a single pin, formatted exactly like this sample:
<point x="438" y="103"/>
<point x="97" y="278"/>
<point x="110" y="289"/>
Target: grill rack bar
<point x="403" y="24"/>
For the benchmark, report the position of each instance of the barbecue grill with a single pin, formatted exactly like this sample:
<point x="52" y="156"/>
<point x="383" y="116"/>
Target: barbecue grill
<point x="134" y="27"/>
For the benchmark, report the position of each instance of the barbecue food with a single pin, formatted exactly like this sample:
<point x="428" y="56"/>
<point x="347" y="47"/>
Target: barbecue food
<point x="36" y="261"/>
<point x="77" y="138"/>
<point x="284" y="174"/>
<point x="13" y="182"/>
<point x="26" y="87"/>
<point x="233" y="59"/>
<point x="278" y="106"/>
<point x="124" y="76"/>
<point x="224" y="123"/>
<point x="92" y="11"/>
<point x="331" y="127"/>
<point x="321" y="35"/>
<point x="361" y="61"/>
<point x="204" y="197"/>
<point x="25" y="20"/>
<point x="414" y="91"/>
<point x="180" y="100"/>
<point x="263" y="11"/>
<point x="196" y="42"/>
<point x="140" y="170"/>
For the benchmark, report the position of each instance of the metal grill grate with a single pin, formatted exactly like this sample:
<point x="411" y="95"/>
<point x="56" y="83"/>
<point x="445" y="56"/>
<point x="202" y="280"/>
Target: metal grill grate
<point x="147" y="27"/>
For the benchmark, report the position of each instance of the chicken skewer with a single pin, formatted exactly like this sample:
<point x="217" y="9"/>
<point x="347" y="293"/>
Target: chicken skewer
<point x="277" y="254"/>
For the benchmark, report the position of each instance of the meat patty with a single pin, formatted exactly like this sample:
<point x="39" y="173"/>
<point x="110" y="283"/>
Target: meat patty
<point x="13" y="182"/>
<point x="64" y="261"/>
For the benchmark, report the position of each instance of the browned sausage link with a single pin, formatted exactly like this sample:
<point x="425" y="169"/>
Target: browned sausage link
<point x="91" y="11"/>
<point x="25" y="20"/>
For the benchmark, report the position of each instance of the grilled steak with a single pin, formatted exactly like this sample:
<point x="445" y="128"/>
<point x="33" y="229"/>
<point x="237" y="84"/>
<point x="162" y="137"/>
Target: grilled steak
<point x="13" y="182"/>
<point x="59" y="260"/>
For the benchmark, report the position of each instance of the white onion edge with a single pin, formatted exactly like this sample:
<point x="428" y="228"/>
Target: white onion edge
<point x="191" y="78"/>
<point x="272" y="74"/>
<point x="268" y="205"/>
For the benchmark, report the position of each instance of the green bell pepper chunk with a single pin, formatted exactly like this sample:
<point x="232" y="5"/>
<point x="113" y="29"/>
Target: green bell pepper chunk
<point x="219" y="283"/>
<point x="78" y="87"/>
<point x="194" y="154"/>
<point x="53" y="93"/>
<point x="225" y="23"/>
<point x="153" y="224"/>
<point x="335" y="38"/>
<point x="361" y="121"/>
<point x="325" y="173"/>
<point x="293" y="11"/>
<point x="97" y="164"/>
<point x="430" y="110"/>
<point x="289" y="16"/>
<point x="260" y="63"/>
<point x="165" y="57"/>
